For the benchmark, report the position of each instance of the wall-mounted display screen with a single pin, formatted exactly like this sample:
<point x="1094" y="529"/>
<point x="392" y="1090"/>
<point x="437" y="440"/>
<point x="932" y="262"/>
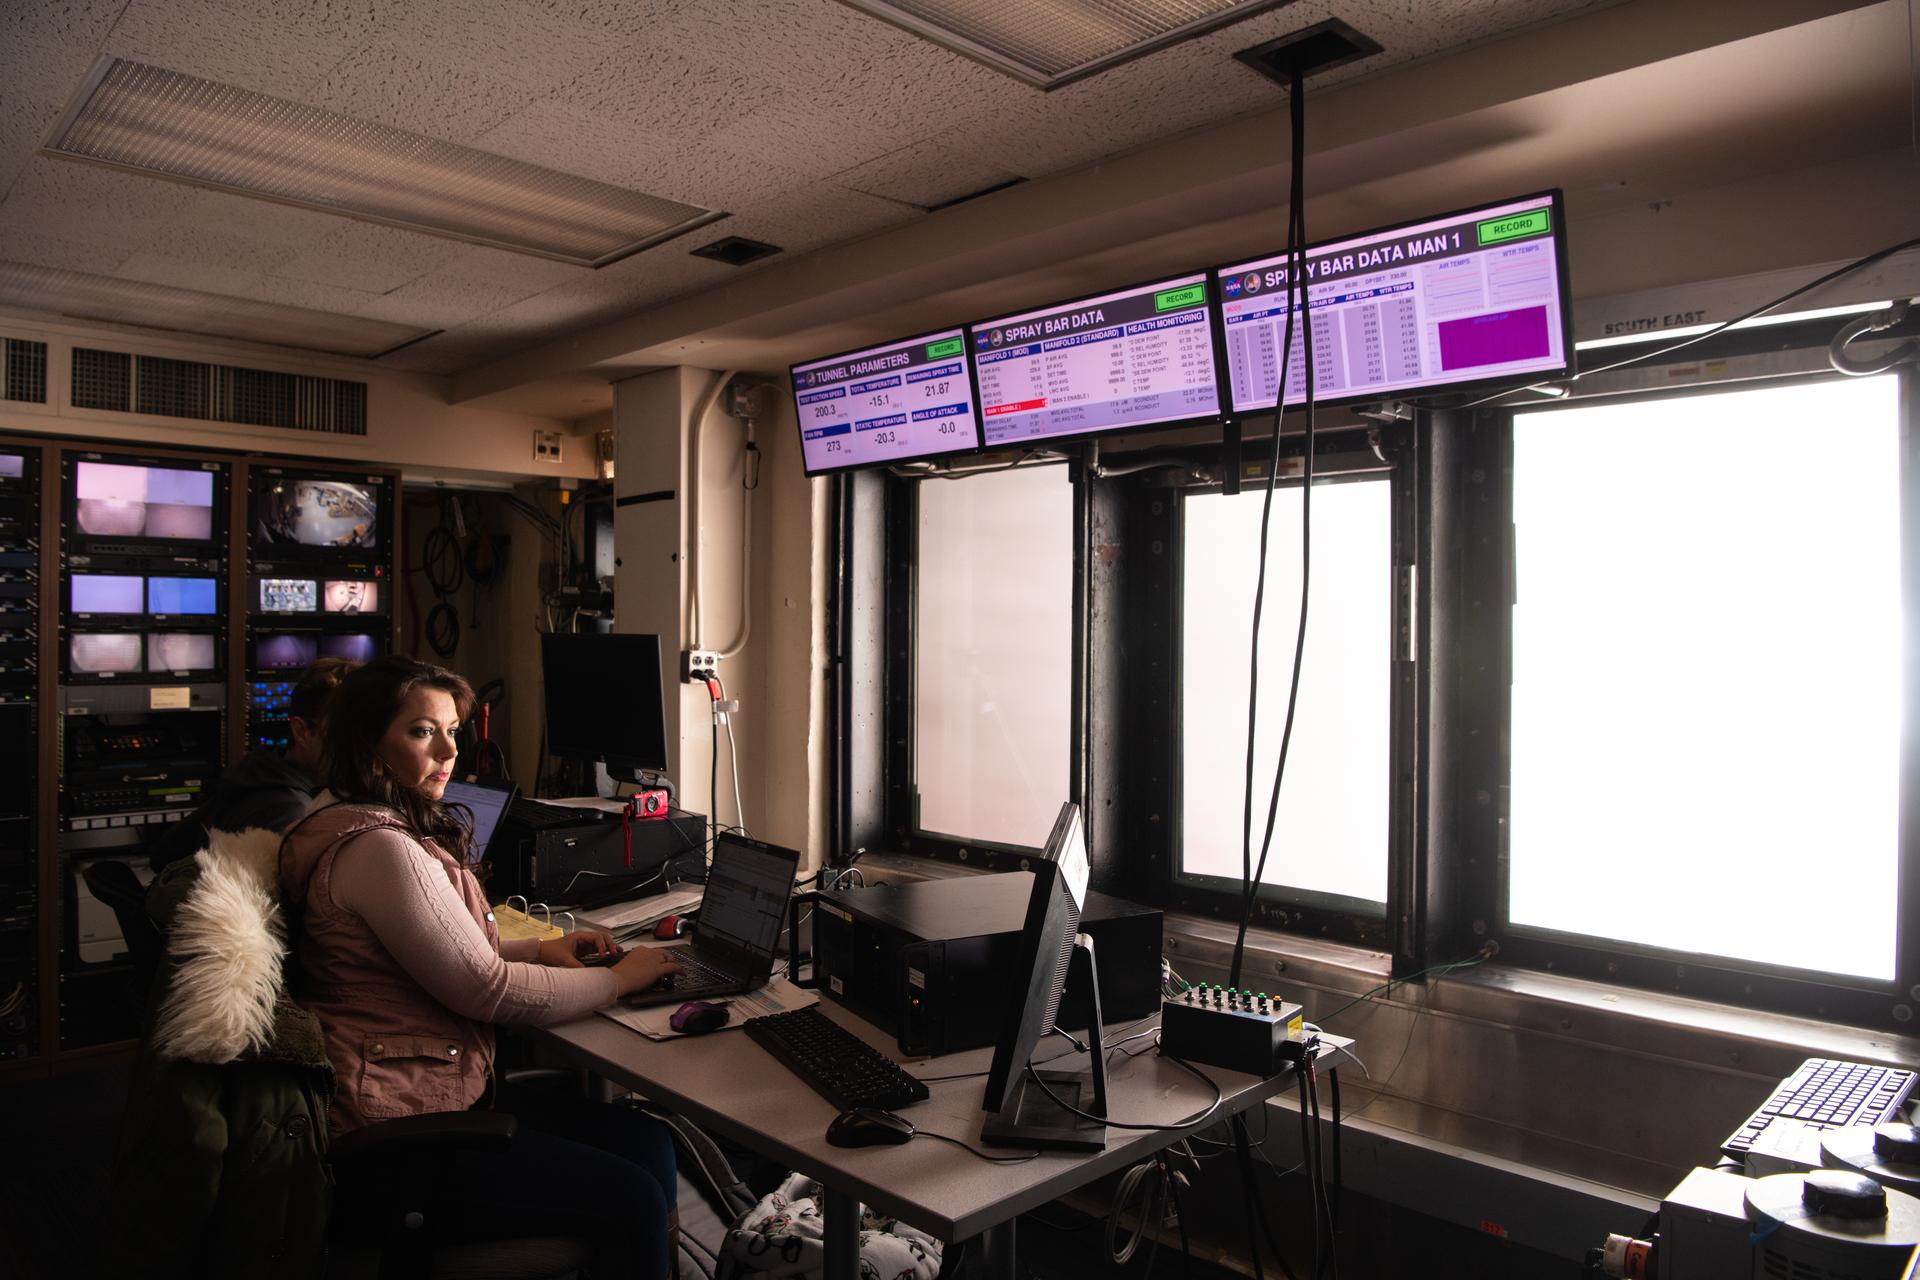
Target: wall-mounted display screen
<point x="181" y="651"/>
<point x="289" y="595"/>
<point x="352" y="597"/>
<point x="118" y="501"/>
<point x="1137" y="357"/>
<point x="1472" y="297"/>
<point x="106" y="593"/>
<point x="12" y="466"/>
<point x="100" y="653"/>
<point x="283" y="650"/>
<point x="309" y="512"/>
<point x="898" y="402"/>
<point x="180" y="595"/>
<point x="354" y="648"/>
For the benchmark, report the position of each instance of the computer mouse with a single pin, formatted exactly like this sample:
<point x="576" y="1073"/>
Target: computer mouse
<point x="697" y="1017"/>
<point x="868" y="1127"/>
<point x="671" y="927"/>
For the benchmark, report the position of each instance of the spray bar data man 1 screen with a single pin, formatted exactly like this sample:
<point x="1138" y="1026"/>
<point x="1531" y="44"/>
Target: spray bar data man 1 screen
<point x="1138" y="357"/>
<point x="1467" y="298"/>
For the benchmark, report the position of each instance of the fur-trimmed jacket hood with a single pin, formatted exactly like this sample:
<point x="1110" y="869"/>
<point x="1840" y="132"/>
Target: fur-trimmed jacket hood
<point x="225" y="990"/>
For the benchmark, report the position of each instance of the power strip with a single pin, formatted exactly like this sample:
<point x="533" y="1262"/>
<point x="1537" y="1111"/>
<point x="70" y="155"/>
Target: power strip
<point x="1239" y="1030"/>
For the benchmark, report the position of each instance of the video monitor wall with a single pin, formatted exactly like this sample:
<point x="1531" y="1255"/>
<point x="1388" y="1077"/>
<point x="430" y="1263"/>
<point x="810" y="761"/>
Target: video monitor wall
<point x="315" y="513"/>
<point x="1467" y="300"/>
<point x="130" y="505"/>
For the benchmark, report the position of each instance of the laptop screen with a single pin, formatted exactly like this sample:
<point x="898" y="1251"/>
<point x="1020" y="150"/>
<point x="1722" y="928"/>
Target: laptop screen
<point x="747" y="890"/>
<point x="487" y="804"/>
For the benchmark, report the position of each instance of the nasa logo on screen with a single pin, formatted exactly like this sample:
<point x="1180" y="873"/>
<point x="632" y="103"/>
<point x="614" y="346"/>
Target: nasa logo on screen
<point x="1231" y="286"/>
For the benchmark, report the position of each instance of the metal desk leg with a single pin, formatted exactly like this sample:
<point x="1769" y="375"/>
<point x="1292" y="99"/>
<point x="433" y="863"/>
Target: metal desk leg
<point x="843" y="1236"/>
<point x="997" y="1251"/>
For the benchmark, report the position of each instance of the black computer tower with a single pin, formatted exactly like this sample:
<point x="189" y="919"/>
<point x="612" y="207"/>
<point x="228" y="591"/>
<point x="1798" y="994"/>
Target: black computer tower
<point x="929" y="961"/>
<point x="568" y="863"/>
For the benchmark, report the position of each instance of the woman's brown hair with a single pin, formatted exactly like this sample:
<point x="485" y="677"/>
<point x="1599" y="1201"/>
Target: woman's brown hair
<point x="366" y="705"/>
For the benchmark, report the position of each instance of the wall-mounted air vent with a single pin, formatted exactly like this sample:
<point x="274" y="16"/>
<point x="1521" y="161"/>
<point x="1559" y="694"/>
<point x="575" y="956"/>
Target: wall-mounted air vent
<point x="26" y="371"/>
<point x="122" y="383"/>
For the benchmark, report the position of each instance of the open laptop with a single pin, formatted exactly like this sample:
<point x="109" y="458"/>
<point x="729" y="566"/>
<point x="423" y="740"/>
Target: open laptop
<point x="738" y="930"/>
<point x="488" y="802"/>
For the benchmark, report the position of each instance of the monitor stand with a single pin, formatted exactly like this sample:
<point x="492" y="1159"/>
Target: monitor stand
<point x="1029" y="1118"/>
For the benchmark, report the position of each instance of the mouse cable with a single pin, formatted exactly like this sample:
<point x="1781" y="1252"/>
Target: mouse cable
<point x="1197" y="1117"/>
<point x="928" y="1133"/>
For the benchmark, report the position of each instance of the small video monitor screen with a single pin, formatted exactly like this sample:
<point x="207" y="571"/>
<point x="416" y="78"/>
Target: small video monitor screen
<point x="107" y="593"/>
<point x="354" y="648"/>
<point x="113" y="500"/>
<point x="895" y="403"/>
<point x="300" y="512"/>
<point x="180" y="595"/>
<point x="181" y="651"/>
<point x="1471" y="297"/>
<point x="289" y="595"/>
<point x="352" y="597"/>
<point x="285" y="650"/>
<point x="1138" y="357"/>
<point x="99" y="653"/>
<point x="12" y="466"/>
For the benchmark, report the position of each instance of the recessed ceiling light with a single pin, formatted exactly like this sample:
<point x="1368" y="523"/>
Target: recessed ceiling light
<point x="168" y="125"/>
<point x="159" y="306"/>
<point x="1047" y="44"/>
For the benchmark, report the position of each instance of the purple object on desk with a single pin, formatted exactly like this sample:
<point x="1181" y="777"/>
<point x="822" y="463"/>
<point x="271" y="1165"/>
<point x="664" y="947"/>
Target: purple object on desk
<point x="697" y="1017"/>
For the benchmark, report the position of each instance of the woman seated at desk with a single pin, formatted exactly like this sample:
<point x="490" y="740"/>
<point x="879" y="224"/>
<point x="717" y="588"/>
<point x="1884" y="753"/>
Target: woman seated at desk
<point x="400" y="961"/>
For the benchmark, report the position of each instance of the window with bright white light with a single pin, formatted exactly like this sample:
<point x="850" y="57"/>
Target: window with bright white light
<point x="1706" y="674"/>
<point x="993" y="665"/>
<point x="1330" y="834"/>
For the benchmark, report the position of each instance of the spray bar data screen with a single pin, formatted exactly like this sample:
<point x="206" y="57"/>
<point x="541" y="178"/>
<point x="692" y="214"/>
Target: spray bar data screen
<point x="899" y="402"/>
<point x="1470" y="297"/>
<point x="1137" y="358"/>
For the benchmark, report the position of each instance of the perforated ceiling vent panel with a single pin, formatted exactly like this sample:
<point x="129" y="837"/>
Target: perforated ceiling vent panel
<point x="102" y="380"/>
<point x="26" y="371"/>
<point x="1048" y="44"/>
<point x="118" y="382"/>
<point x="170" y="125"/>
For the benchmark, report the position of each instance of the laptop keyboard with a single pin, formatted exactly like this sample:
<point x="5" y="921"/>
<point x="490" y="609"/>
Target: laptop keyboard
<point x="694" y="972"/>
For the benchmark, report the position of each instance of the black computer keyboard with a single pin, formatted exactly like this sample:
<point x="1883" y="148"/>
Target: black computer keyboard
<point x="1826" y="1094"/>
<point x="534" y="815"/>
<point x="835" y="1063"/>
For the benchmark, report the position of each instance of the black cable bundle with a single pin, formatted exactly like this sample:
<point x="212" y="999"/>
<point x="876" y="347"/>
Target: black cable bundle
<point x="1296" y="279"/>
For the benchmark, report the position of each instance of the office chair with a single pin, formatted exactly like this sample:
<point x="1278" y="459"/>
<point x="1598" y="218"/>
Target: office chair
<point x="406" y="1246"/>
<point x="114" y="883"/>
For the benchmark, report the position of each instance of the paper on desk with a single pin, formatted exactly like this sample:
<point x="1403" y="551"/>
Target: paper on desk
<point x="621" y="917"/>
<point x="778" y="996"/>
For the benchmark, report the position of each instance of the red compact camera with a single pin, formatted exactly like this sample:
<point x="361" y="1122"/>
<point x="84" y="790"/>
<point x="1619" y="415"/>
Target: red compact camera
<point x="647" y="804"/>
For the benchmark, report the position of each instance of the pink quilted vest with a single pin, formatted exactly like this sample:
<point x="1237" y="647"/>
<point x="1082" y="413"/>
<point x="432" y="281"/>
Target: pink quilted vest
<point x="396" y="1051"/>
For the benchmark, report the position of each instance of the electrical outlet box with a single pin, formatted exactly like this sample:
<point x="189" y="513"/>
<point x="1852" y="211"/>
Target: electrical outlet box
<point x="546" y="447"/>
<point x="698" y="664"/>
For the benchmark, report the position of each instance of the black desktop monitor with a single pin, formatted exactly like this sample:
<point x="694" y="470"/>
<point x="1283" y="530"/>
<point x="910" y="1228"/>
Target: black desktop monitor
<point x="1024" y="1114"/>
<point x="604" y="701"/>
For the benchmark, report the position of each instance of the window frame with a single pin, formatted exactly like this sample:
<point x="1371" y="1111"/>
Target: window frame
<point x="1477" y="571"/>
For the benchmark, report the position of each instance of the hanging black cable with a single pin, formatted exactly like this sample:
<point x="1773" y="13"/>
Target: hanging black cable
<point x="1296" y="279"/>
<point x="443" y="629"/>
<point x="1247" y="1203"/>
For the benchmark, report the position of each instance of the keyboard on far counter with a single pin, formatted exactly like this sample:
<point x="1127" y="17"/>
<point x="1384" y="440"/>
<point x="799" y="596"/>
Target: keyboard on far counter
<point x="834" y="1063"/>
<point x="1828" y="1094"/>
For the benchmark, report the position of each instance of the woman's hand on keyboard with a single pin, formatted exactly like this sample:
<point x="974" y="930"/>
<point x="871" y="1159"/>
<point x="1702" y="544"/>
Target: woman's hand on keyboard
<point x="641" y="967"/>
<point x="587" y="946"/>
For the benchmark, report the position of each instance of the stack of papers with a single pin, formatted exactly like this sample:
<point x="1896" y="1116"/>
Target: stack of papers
<point x="778" y="996"/>
<point x="626" y="919"/>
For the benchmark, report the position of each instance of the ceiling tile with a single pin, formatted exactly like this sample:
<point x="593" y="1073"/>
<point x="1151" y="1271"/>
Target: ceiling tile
<point x="45" y="51"/>
<point x="423" y="91"/>
<point x="283" y="49"/>
<point x="55" y="195"/>
<point x="931" y="171"/>
<point x="369" y="257"/>
<point x="234" y="282"/>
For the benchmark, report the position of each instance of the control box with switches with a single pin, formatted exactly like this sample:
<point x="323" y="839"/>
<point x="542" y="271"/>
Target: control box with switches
<point x="1225" y="1027"/>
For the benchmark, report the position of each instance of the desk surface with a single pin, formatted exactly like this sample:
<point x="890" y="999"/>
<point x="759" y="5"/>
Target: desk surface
<point x="727" y="1083"/>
